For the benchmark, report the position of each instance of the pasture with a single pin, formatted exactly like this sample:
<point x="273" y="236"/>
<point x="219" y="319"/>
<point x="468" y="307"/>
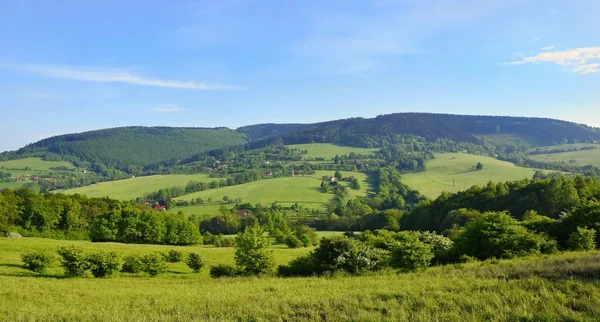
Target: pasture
<point x="286" y="191"/>
<point x="328" y="150"/>
<point x="132" y="188"/>
<point x="32" y="164"/>
<point x="577" y="158"/>
<point x="454" y="172"/>
<point x="551" y="288"/>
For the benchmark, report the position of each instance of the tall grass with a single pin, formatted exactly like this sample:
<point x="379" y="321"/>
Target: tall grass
<point x="555" y="288"/>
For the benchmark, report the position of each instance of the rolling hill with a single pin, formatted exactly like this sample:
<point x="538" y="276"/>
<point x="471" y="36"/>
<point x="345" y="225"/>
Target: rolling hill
<point x="453" y="172"/>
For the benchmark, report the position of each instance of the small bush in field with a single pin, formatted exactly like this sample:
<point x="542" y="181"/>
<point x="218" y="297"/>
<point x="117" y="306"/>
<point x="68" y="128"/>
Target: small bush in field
<point x="132" y="264"/>
<point x="293" y="242"/>
<point x="173" y="256"/>
<point x="410" y="253"/>
<point x="73" y="260"/>
<point x="224" y="271"/>
<point x="300" y="266"/>
<point x="195" y="262"/>
<point x="104" y="264"/>
<point x="37" y="261"/>
<point x="582" y="239"/>
<point x="153" y="264"/>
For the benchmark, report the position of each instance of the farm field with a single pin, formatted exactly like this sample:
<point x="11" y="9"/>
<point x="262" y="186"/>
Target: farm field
<point x="328" y="150"/>
<point x="286" y="191"/>
<point x="128" y="189"/>
<point x="497" y="290"/>
<point x="578" y="158"/>
<point x="454" y="172"/>
<point x="11" y="185"/>
<point x="35" y="164"/>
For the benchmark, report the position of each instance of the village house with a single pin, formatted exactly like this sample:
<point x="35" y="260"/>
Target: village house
<point x="160" y="208"/>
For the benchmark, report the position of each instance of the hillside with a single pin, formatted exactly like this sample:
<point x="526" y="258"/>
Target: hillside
<point x="129" y="189"/>
<point x="130" y="148"/>
<point x="453" y="172"/>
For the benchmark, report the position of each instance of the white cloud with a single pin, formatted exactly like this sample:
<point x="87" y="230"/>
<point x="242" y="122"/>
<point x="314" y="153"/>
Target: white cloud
<point x="167" y="109"/>
<point x="547" y="48"/>
<point x="583" y="60"/>
<point x="112" y="76"/>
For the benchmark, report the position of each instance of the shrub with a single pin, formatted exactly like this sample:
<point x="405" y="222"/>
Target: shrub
<point x="221" y="241"/>
<point x="496" y="235"/>
<point x="582" y="239"/>
<point x="153" y="264"/>
<point x="37" y="261"/>
<point x="73" y="261"/>
<point x="173" y="256"/>
<point x="252" y="252"/>
<point x="132" y="264"/>
<point x="344" y="254"/>
<point x="293" y="242"/>
<point x="410" y="254"/>
<point x="307" y="235"/>
<point x="104" y="264"/>
<point x="195" y="262"/>
<point x="224" y="271"/>
<point x="300" y="266"/>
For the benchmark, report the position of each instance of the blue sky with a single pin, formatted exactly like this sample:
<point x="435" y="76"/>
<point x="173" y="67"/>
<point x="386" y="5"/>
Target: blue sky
<point x="69" y="66"/>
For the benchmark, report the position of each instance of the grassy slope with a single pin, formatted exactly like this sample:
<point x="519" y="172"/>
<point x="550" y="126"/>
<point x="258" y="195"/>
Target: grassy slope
<point x="493" y="290"/>
<point x="136" y="187"/>
<point x="581" y="158"/>
<point x="329" y="151"/>
<point x="286" y="191"/>
<point x="32" y="163"/>
<point x="448" y="168"/>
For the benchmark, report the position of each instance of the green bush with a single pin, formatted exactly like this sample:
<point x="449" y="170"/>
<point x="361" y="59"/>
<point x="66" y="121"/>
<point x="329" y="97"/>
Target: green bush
<point x="582" y="239"/>
<point x="341" y="253"/>
<point x="222" y="241"/>
<point x="132" y="264"/>
<point x="73" y="260"/>
<point x="153" y="264"/>
<point x="37" y="261"/>
<point x="224" y="271"/>
<point x="300" y="266"/>
<point x="252" y="254"/>
<point x="195" y="262"/>
<point x="293" y="242"/>
<point x="410" y="254"/>
<point x="104" y="264"/>
<point x="496" y="235"/>
<point x="173" y="256"/>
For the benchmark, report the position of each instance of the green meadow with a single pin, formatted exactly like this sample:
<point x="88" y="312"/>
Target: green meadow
<point x="578" y="158"/>
<point x="454" y="172"/>
<point x="132" y="188"/>
<point x="34" y="164"/>
<point x="286" y="191"/>
<point x="562" y="287"/>
<point x="328" y="150"/>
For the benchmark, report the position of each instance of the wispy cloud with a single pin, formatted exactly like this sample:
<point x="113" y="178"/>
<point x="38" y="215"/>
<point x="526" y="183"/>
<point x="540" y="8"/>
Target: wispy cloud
<point x="167" y="109"/>
<point x="583" y="60"/>
<point x="548" y="48"/>
<point x="112" y="76"/>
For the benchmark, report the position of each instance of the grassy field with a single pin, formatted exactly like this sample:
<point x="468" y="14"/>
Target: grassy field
<point x="136" y="187"/>
<point x="558" y="288"/>
<point x="578" y="158"/>
<point x="286" y="191"/>
<point x="11" y="185"/>
<point x="328" y="150"/>
<point x="33" y="164"/>
<point x="454" y="172"/>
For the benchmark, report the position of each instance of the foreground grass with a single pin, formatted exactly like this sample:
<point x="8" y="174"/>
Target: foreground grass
<point x="557" y="288"/>
<point x="136" y="187"/>
<point x="455" y="172"/>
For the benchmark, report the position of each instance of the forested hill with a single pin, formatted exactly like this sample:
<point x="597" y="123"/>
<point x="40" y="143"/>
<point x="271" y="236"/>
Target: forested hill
<point x="458" y="128"/>
<point x="133" y="147"/>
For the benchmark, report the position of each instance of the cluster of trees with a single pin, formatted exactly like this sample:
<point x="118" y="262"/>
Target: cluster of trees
<point x="60" y="216"/>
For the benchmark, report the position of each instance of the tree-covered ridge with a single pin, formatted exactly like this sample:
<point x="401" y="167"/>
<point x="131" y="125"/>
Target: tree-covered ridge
<point x="383" y="129"/>
<point x="132" y="148"/>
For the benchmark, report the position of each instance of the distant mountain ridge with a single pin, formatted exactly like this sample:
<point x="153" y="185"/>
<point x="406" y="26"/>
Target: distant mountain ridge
<point x="131" y="149"/>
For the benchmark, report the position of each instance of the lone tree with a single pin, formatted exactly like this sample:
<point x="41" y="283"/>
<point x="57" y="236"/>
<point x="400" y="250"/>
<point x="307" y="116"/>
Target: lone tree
<point x="252" y="252"/>
<point x="479" y="166"/>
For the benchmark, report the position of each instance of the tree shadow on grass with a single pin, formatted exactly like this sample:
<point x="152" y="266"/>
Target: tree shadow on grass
<point x="27" y="273"/>
<point x="464" y="171"/>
